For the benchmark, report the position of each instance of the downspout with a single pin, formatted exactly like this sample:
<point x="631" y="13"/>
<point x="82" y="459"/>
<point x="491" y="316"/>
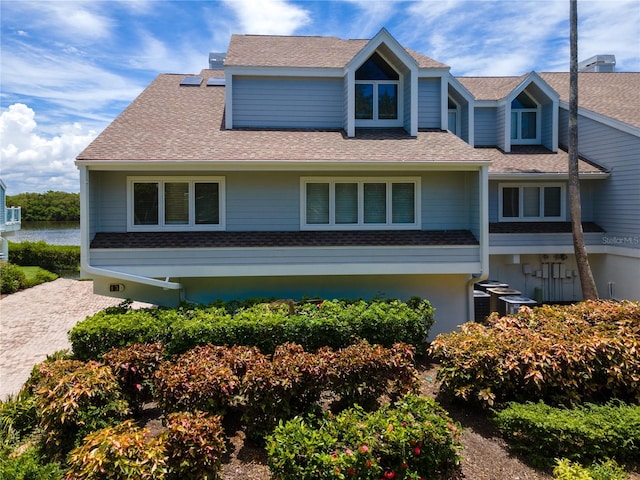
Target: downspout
<point x="84" y="245"/>
<point x="484" y="240"/>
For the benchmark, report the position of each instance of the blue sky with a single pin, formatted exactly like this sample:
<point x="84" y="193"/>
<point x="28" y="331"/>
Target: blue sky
<point x="69" y="67"/>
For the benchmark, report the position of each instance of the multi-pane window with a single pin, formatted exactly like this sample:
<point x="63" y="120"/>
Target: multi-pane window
<point x="524" y="120"/>
<point x="356" y="203"/>
<point x="377" y="92"/>
<point x="176" y="203"/>
<point x="532" y="202"/>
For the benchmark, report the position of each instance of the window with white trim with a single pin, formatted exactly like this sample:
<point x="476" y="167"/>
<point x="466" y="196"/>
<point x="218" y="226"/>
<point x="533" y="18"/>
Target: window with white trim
<point x="525" y="120"/>
<point x="360" y="203"/>
<point x="377" y="94"/>
<point x="532" y="202"/>
<point x="175" y="203"/>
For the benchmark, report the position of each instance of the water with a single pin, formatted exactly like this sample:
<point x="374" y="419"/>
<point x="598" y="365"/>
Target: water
<point x="54" y="233"/>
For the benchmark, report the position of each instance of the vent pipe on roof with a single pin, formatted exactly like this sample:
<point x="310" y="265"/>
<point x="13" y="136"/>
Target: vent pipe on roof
<point x="598" y="63"/>
<point x="216" y="60"/>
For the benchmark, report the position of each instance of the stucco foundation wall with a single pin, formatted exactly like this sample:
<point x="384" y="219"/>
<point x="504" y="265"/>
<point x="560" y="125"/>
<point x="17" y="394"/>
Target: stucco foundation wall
<point x="447" y="293"/>
<point x="620" y="270"/>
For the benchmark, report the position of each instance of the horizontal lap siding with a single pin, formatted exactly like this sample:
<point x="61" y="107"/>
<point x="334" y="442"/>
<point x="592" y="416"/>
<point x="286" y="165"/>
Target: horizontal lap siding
<point x="139" y="261"/>
<point x="288" y="102"/>
<point x="270" y="201"/>
<point x="429" y="103"/>
<point x="446" y="202"/>
<point x="485" y="127"/>
<point x="540" y="239"/>
<point x="618" y="197"/>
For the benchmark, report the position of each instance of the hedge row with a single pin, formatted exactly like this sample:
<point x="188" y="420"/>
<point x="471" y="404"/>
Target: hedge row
<point x="585" y="434"/>
<point x="335" y="324"/>
<point x="563" y="355"/>
<point x="409" y="440"/>
<point x="50" y="257"/>
<point x="268" y="389"/>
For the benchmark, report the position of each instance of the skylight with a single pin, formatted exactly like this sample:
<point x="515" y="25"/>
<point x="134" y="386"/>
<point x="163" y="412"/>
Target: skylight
<point x="215" y="82"/>
<point x="191" y="81"/>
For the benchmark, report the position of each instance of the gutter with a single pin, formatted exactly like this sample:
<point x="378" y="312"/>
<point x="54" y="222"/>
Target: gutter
<point x="84" y="246"/>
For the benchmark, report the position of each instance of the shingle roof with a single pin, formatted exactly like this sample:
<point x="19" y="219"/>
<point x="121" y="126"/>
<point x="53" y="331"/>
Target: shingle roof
<point x="291" y="51"/>
<point x="490" y="88"/>
<point x="169" y="122"/>
<point x="283" y="239"/>
<point x="613" y="94"/>
<point x="535" y="159"/>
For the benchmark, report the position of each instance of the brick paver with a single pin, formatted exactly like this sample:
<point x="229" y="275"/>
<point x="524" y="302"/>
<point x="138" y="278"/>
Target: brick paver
<point x="34" y="323"/>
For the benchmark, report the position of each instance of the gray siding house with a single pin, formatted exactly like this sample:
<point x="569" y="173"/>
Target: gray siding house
<point x="315" y="166"/>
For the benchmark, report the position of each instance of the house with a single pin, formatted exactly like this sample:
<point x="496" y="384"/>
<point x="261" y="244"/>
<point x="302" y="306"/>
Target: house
<point x="315" y="166"/>
<point x="10" y="221"/>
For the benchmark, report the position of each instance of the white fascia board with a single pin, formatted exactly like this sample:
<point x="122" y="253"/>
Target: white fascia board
<point x="526" y="176"/>
<point x="542" y="249"/>
<point x="285" y="71"/>
<point x="605" y="120"/>
<point x="235" y="165"/>
<point x="343" y="268"/>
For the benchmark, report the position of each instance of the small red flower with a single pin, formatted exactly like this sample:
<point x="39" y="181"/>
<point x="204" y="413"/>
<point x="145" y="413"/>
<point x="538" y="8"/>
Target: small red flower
<point x="416" y="450"/>
<point x="351" y="471"/>
<point x="364" y="449"/>
<point x="404" y="465"/>
<point x="349" y="452"/>
<point x="389" y="474"/>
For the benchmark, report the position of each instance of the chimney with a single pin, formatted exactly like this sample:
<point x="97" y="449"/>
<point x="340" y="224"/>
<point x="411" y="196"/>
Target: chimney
<point x="216" y="60"/>
<point x="598" y="63"/>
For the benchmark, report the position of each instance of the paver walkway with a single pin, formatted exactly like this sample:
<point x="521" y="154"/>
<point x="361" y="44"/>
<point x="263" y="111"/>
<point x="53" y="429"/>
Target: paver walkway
<point x="34" y="323"/>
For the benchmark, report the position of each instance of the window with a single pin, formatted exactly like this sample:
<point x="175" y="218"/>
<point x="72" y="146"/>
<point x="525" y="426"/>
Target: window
<point x="377" y="92"/>
<point x="453" y="116"/>
<point x="532" y="202"/>
<point x="357" y="203"/>
<point x="175" y="203"/>
<point x="524" y="120"/>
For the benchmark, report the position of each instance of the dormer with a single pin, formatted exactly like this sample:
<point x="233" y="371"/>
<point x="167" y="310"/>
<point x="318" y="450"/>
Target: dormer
<point x="381" y="86"/>
<point x="530" y="115"/>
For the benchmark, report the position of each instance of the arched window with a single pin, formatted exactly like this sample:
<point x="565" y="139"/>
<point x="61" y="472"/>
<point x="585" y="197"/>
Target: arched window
<point x="524" y="120"/>
<point x="377" y="93"/>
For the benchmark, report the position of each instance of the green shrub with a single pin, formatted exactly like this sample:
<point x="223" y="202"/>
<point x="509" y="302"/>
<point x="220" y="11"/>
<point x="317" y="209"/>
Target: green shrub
<point x="27" y="464"/>
<point x="134" y="366"/>
<point x="18" y="416"/>
<point x="123" y="451"/>
<point x="606" y="470"/>
<point x="584" y="433"/>
<point x="411" y="439"/>
<point x="264" y="325"/>
<point x="12" y="278"/>
<point x="563" y="355"/>
<point x="99" y="333"/>
<point x="50" y="257"/>
<point x="195" y="445"/>
<point x="36" y="276"/>
<point x="74" y="399"/>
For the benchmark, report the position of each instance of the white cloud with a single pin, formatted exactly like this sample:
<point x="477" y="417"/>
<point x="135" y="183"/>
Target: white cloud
<point x="268" y="17"/>
<point x="32" y="163"/>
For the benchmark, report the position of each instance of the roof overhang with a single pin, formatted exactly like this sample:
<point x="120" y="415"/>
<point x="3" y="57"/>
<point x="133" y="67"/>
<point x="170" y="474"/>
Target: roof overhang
<point x="268" y="165"/>
<point x="538" y="176"/>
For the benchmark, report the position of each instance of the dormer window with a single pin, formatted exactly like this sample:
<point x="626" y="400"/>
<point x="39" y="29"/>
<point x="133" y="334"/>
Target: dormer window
<point x="377" y="93"/>
<point x="525" y="118"/>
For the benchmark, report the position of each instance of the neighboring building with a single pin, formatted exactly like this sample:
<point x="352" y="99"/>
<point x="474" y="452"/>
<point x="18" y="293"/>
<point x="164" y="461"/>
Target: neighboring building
<point x="10" y="221"/>
<point x="349" y="168"/>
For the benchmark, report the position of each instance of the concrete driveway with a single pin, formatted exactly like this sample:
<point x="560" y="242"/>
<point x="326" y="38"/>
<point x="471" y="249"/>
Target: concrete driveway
<point x="34" y="323"/>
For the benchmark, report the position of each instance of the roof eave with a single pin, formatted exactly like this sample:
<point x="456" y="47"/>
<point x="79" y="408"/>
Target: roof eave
<point x="524" y="176"/>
